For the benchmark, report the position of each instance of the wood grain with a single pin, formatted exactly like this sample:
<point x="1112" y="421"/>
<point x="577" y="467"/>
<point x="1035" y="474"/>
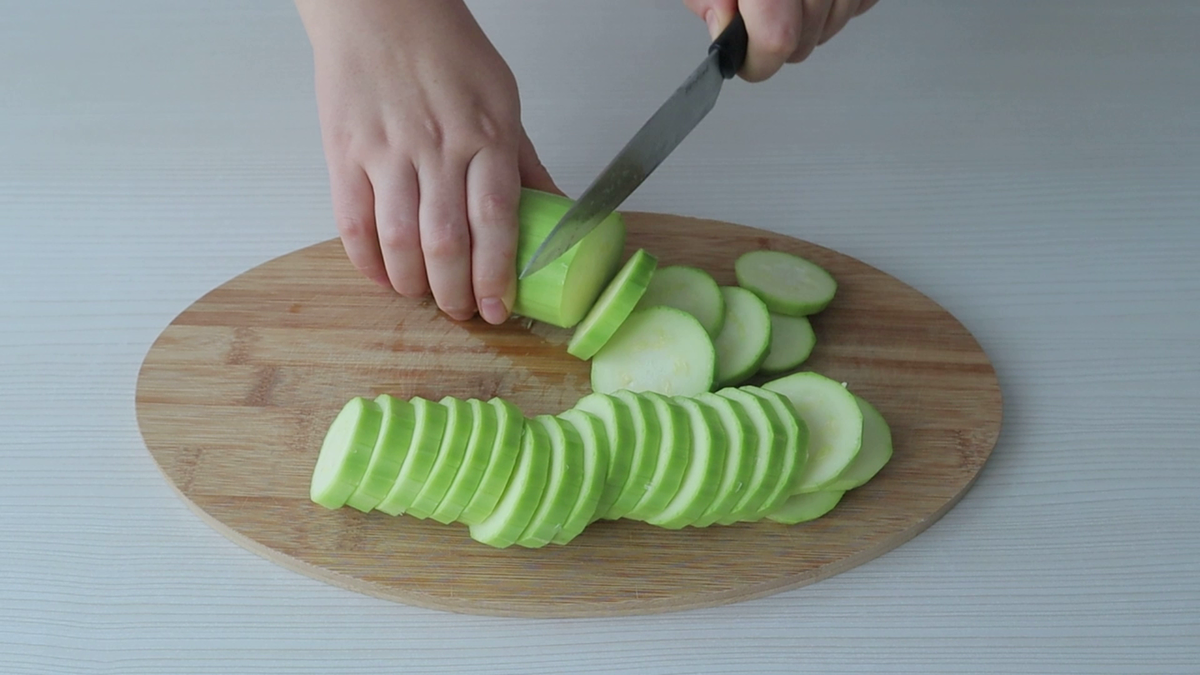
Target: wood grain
<point x="235" y="395"/>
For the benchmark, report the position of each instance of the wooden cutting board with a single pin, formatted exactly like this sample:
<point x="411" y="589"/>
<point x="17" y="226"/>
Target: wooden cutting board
<point x="234" y="398"/>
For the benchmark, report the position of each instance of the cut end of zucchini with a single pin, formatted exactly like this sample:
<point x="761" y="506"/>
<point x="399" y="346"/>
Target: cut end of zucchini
<point x="345" y="453"/>
<point x="787" y="283"/>
<point x="835" y="425"/>
<point x="562" y="292"/>
<point x="660" y="349"/>
<point x="792" y="342"/>
<point x="805" y="507"/>
<point x="690" y="289"/>
<point x="613" y="306"/>
<point x="745" y="336"/>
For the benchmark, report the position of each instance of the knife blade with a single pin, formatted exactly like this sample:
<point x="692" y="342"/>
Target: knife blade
<point x="652" y="144"/>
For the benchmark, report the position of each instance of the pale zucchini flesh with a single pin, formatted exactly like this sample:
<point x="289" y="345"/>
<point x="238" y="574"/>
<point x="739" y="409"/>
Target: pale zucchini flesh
<point x="806" y="506"/>
<point x="834" y="421"/>
<point x="510" y="427"/>
<point x="449" y="458"/>
<point x="671" y="456"/>
<point x="614" y="305"/>
<point x="792" y="342"/>
<point x="745" y="336"/>
<point x="689" y="289"/>
<point x="484" y="425"/>
<point x="787" y="283"/>
<point x="345" y="452"/>
<point x="594" y="472"/>
<point x="391" y="447"/>
<point x="875" y="453"/>
<point x="428" y="430"/>
<point x="523" y="493"/>
<point x="563" y="482"/>
<point x="659" y="349"/>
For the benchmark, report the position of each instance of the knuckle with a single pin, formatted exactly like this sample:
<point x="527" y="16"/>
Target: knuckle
<point x="400" y="235"/>
<point x="779" y="39"/>
<point x="434" y="133"/>
<point x="494" y="208"/>
<point x="448" y="240"/>
<point x="353" y="226"/>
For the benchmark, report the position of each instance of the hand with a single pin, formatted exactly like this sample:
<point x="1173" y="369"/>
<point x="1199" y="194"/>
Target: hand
<point x="781" y="31"/>
<point x="421" y="127"/>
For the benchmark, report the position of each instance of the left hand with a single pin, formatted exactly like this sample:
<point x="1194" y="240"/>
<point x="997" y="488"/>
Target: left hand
<point x="780" y="31"/>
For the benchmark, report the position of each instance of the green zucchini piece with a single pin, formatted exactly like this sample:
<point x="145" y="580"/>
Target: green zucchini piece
<point x="449" y="458"/>
<point x="595" y="470"/>
<point x="624" y="440"/>
<point x="793" y="431"/>
<point x="768" y="454"/>
<point x="706" y="462"/>
<point x="744" y="338"/>
<point x="792" y="342"/>
<point x="510" y="427"/>
<point x="805" y="507"/>
<point x="670" y="454"/>
<point x="562" y="292"/>
<point x="391" y="447"/>
<point x="875" y="453"/>
<point x="484" y="425"/>
<point x="520" y="498"/>
<point x="689" y="289"/>
<point x="787" y="283"/>
<point x="660" y="349"/>
<point x="835" y="424"/>
<point x="643" y="456"/>
<point x="741" y="441"/>
<point x="427" y="435"/>
<point x="564" y="481"/>
<point x="613" y="306"/>
<point x="345" y="452"/>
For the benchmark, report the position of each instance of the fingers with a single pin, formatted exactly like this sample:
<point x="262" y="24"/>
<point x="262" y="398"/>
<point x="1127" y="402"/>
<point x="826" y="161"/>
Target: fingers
<point x="353" y="210"/>
<point x="396" y="217"/>
<point x="780" y="31"/>
<point x="533" y="174"/>
<point x="840" y="15"/>
<point x="812" y="25"/>
<point x="774" y="28"/>
<point x="445" y="237"/>
<point x="715" y="13"/>
<point x="493" y="195"/>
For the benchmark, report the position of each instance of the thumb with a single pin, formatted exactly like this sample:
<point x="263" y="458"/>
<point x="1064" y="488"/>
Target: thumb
<point x="716" y="13"/>
<point x="534" y="174"/>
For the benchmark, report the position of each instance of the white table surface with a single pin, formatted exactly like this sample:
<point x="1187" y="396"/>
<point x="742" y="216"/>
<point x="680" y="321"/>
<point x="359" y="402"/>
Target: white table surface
<point x="1033" y="166"/>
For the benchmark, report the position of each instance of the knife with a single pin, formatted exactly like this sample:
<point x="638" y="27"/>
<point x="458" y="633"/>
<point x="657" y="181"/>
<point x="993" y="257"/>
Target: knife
<point x="657" y="138"/>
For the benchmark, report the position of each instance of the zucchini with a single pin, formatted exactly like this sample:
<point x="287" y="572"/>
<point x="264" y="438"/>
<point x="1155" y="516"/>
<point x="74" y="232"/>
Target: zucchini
<point x="787" y="283"/>
<point x="613" y="306"/>
<point x="834" y="421"/>
<point x="660" y="349"/>
<point x="745" y="336"/>
<point x="689" y="289"/>
<point x="792" y="342"/>
<point x="345" y="452"/>
<point x="562" y="292"/>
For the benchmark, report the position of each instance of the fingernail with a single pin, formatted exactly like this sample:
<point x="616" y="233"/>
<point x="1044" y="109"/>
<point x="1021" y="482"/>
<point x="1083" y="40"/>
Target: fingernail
<point x="710" y="18"/>
<point x="493" y="311"/>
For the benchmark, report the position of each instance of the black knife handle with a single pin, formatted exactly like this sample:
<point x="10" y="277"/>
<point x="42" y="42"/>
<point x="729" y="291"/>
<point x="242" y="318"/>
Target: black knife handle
<point x="731" y="46"/>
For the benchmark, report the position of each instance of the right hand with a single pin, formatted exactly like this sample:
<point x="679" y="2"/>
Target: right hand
<point x="421" y="127"/>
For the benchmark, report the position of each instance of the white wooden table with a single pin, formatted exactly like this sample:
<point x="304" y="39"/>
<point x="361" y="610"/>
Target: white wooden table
<point x="1033" y="166"/>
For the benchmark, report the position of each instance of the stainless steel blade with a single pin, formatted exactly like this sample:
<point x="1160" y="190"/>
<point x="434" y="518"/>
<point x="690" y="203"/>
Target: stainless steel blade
<point x="657" y="138"/>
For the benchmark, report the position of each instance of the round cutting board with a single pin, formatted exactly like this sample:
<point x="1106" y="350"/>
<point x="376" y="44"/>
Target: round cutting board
<point x="235" y="396"/>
